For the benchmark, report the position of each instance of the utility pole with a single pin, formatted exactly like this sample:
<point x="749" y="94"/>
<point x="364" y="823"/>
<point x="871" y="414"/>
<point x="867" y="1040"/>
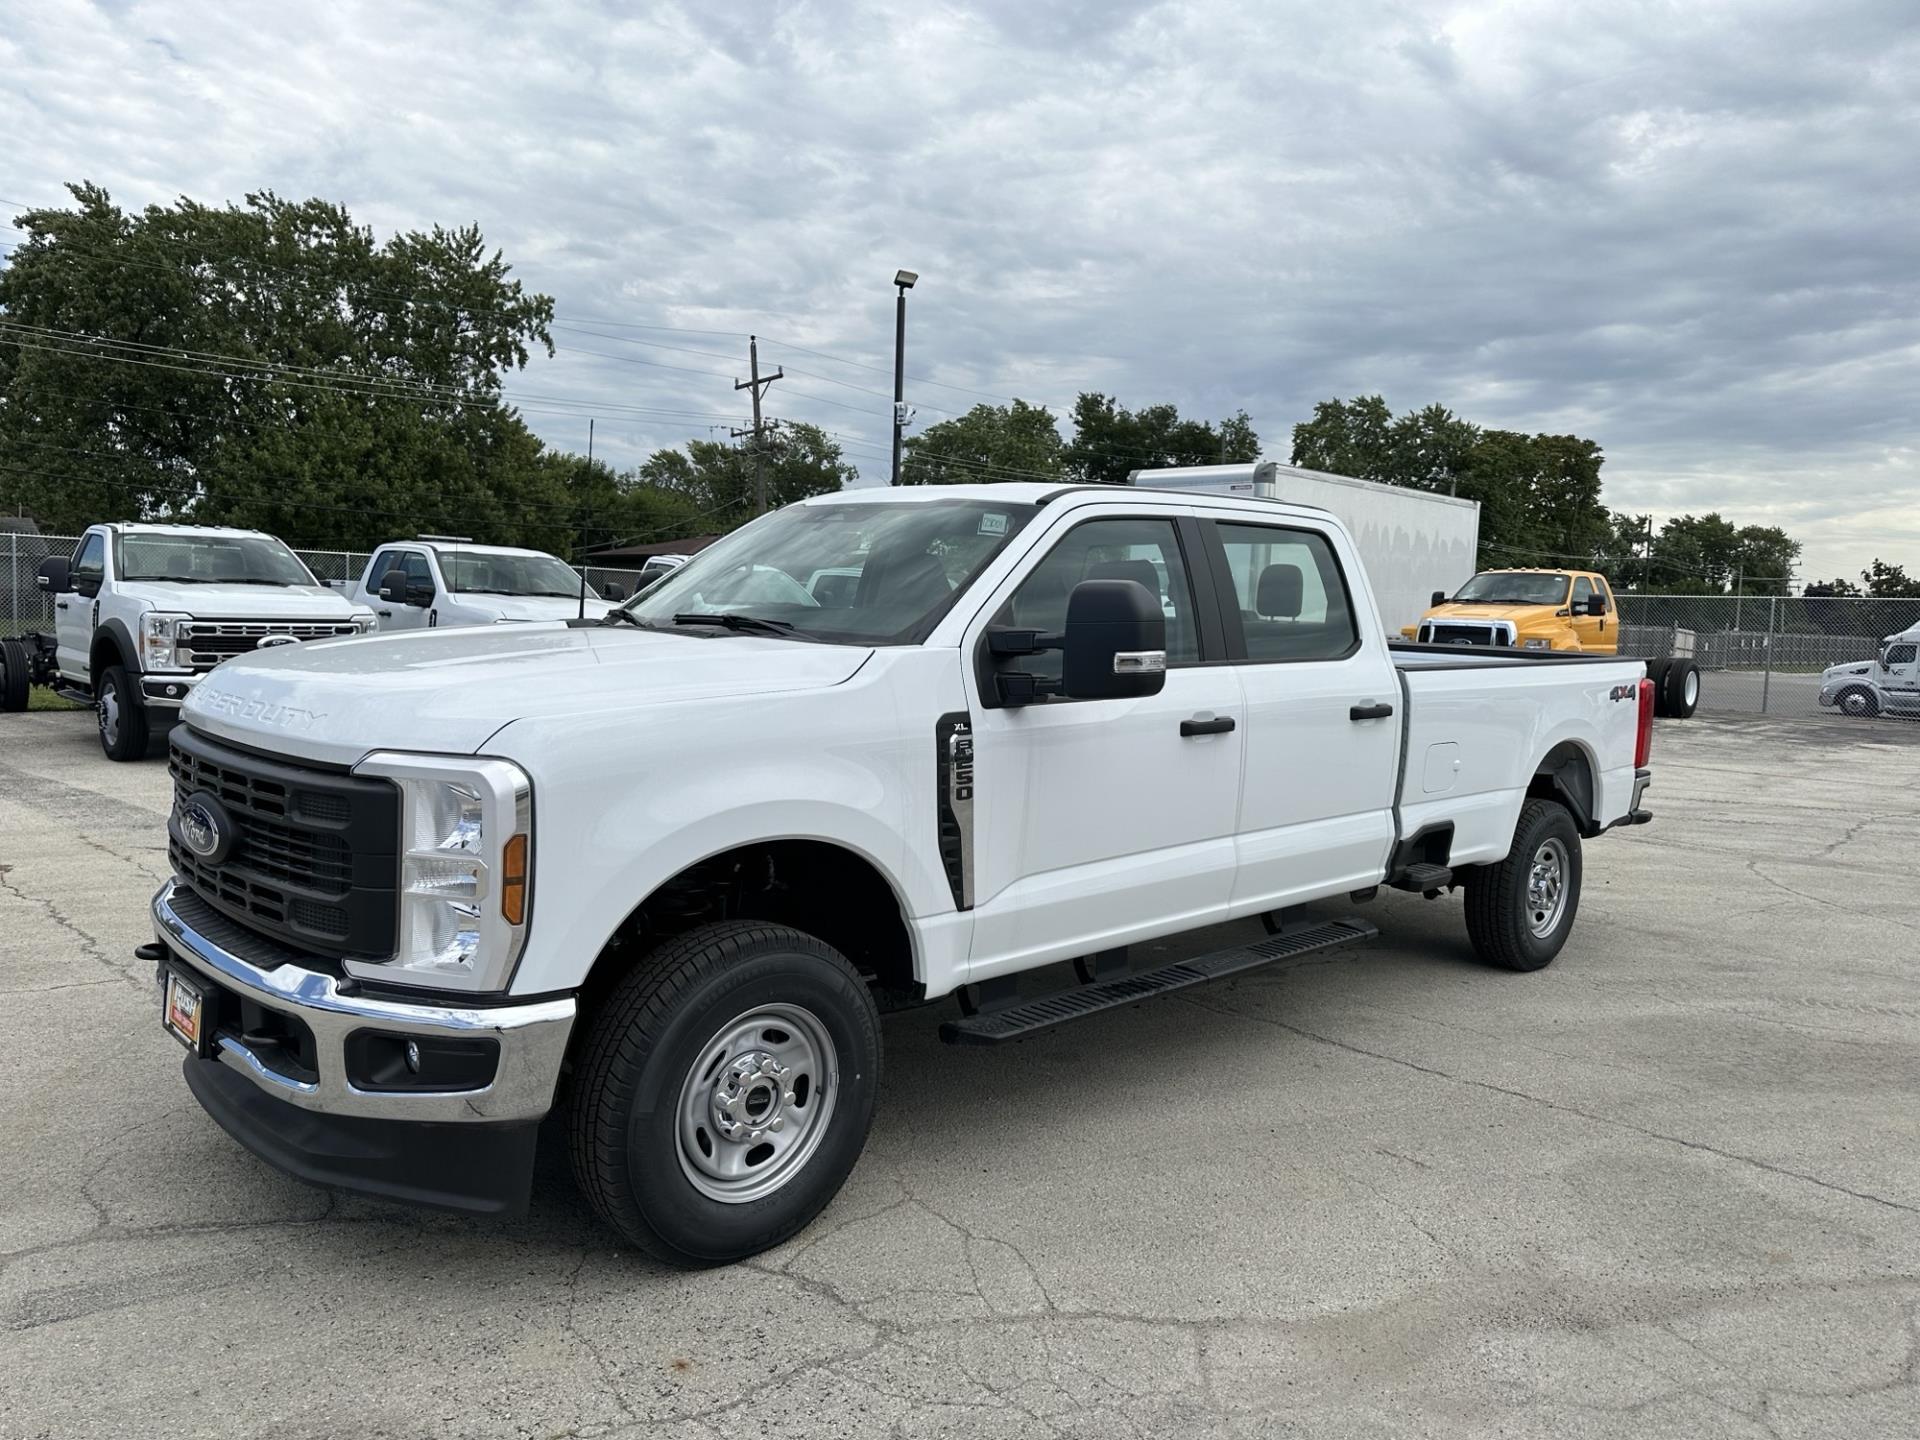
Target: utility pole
<point x="758" y="385"/>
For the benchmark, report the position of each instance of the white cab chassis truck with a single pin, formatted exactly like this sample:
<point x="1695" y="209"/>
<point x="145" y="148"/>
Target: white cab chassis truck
<point x="660" y="871"/>
<point x="144" y="612"/>
<point x="437" y="581"/>
<point x="1414" y="544"/>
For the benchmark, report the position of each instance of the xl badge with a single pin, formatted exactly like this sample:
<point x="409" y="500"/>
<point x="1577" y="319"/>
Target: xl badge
<point x="205" y="827"/>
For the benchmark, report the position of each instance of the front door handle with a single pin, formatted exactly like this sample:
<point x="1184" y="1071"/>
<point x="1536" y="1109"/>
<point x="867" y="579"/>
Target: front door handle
<point x="59" y="604"/>
<point x="1218" y="726"/>
<point x="1369" y="712"/>
<point x="384" y="614"/>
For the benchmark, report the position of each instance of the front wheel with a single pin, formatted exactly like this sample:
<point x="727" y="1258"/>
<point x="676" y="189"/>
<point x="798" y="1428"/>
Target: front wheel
<point x="724" y="1092"/>
<point x="1859" y="703"/>
<point x="1520" y="910"/>
<point x="123" y="719"/>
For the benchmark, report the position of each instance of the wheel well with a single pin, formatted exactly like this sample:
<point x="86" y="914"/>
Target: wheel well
<point x="824" y="889"/>
<point x="105" y="651"/>
<point x="1566" y="776"/>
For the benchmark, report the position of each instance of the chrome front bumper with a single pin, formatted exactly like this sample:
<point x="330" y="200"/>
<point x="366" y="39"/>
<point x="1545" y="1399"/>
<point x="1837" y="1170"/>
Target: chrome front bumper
<point x="168" y="690"/>
<point x="532" y="1037"/>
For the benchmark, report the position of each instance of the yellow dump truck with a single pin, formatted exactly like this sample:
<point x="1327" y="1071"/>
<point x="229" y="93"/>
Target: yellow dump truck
<point x="1565" y="611"/>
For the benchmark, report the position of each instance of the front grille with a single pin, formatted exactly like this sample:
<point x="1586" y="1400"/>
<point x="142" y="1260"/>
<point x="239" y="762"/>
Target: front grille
<point x="314" y="862"/>
<point x="1442" y="633"/>
<point x="205" y="643"/>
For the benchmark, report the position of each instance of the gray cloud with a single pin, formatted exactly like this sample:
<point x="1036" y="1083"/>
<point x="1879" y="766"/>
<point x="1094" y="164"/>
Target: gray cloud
<point x="1684" y="231"/>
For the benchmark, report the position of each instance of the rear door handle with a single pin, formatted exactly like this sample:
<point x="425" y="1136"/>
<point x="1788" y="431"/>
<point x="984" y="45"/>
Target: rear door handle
<point x="1218" y="726"/>
<point x="1369" y="712"/>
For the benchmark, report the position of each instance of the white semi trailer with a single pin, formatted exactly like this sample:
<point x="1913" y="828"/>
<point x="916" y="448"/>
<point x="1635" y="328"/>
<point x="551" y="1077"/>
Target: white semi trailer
<point x="1414" y="542"/>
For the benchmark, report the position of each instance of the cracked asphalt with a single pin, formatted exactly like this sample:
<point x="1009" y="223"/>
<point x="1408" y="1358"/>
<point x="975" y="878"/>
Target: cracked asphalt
<point x="1669" y="1186"/>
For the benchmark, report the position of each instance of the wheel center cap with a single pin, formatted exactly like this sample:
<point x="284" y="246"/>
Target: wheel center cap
<point x="750" y="1097"/>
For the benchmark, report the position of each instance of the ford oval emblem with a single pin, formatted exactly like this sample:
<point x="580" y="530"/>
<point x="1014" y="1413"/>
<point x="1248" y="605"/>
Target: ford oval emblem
<point x="267" y="642"/>
<point x="205" y="827"/>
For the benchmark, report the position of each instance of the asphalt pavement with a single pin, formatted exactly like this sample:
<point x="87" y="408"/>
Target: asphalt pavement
<point x="1668" y="1186"/>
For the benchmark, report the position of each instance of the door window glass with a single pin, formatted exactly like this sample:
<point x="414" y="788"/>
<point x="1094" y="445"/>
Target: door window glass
<point x="1290" y="593"/>
<point x="90" y="561"/>
<point x="419" y="577"/>
<point x="1898" y="655"/>
<point x="1146" y="551"/>
<point x="1582" y="592"/>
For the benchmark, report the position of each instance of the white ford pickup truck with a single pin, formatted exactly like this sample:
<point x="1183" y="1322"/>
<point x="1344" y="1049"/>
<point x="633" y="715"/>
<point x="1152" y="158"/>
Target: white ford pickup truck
<point x="437" y="581"/>
<point x="659" y="871"/>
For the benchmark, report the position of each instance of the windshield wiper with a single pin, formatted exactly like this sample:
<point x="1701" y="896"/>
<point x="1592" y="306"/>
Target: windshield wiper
<point x="620" y="617"/>
<point x="170" y="580"/>
<point x="752" y="623"/>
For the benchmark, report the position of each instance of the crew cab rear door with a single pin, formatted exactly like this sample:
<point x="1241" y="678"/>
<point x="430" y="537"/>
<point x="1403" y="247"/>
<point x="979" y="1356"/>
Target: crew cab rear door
<point x="1323" y="709"/>
<point x="1096" y="822"/>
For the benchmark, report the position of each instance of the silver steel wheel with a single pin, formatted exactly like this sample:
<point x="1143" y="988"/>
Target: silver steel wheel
<point x="756" y="1103"/>
<point x="109" y="714"/>
<point x="1693" y="689"/>
<point x="1547" y="888"/>
<point x="1856" y="702"/>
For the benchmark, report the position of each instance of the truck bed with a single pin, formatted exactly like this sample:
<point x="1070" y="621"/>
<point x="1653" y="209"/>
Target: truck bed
<point x="1481" y="723"/>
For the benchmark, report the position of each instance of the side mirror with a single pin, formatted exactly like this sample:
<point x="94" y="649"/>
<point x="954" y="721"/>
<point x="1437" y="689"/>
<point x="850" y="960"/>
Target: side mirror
<point x="1115" y="646"/>
<point x="614" y="592"/>
<point x="393" y="588"/>
<point x="1439" y="597"/>
<point x="1596" y="605"/>
<point x="55" y="576"/>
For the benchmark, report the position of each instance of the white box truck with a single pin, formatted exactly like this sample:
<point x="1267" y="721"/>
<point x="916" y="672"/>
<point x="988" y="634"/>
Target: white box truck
<point x="1413" y="542"/>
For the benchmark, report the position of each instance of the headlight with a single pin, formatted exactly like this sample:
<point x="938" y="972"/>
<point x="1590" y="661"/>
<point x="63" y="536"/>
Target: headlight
<point x="1544" y="644"/>
<point x="364" y="624"/>
<point x="160" y="640"/>
<point x="466" y="871"/>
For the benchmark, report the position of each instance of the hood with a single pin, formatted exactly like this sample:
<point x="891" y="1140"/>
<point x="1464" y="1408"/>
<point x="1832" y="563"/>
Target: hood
<point x="243" y="602"/>
<point x="1502" y="610"/>
<point x="1857" y="667"/>
<point x="449" y="690"/>
<point x="531" y="607"/>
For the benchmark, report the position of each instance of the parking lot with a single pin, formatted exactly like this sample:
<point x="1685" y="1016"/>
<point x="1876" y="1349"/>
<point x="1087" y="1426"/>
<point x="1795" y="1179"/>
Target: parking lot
<point x="1670" y="1185"/>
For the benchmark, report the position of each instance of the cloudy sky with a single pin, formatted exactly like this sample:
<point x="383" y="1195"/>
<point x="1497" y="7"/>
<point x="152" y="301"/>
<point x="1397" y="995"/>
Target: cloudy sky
<point x="1685" y="229"/>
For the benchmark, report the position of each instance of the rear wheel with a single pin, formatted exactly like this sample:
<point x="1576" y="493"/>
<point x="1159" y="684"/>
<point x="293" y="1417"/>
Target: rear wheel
<point x="14" y="675"/>
<point x="1657" y="673"/>
<point x="1682" y="689"/>
<point x="1858" y="702"/>
<point x="724" y="1092"/>
<point x="1520" y="910"/>
<point x="123" y="719"/>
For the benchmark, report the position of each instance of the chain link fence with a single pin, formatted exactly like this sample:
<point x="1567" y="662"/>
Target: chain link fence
<point x="24" y="606"/>
<point x="1761" y="655"/>
<point x="1764" y="655"/>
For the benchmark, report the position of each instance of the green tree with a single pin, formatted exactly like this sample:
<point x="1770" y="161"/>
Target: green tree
<point x="1886" y="581"/>
<point x="989" y="442"/>
<point x="717" y="481"/>
<point x="1707" y="554"/>
<point x="268" y="364"/>
<point x="1837" y="589"/>
<point x="1110" y="441"/>
<point x="1539" y="494"/>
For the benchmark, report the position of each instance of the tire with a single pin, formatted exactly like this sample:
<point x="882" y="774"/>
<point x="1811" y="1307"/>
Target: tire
<point x="123" y="719"/>
<point x="1657" y="673"/>
<point x="1681" y="689"/>
<point x="673" y="1041"/>
<point x="1504" y="919"/>
<point x="1858" y="701"/>
<point x="15" y="669"/>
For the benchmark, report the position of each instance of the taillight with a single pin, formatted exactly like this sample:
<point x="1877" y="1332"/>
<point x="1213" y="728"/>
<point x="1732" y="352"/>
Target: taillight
<point x="1643" y="742"/>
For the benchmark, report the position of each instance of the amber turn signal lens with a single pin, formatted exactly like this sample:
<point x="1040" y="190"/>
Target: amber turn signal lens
<point x="513" y="890"/>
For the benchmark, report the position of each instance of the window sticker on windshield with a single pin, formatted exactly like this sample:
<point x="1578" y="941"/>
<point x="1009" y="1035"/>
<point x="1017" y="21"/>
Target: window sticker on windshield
<point x="993" y="524"/>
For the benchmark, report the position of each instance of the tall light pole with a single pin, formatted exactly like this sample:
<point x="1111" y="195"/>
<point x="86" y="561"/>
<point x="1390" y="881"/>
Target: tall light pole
<point x="905" y="280"/>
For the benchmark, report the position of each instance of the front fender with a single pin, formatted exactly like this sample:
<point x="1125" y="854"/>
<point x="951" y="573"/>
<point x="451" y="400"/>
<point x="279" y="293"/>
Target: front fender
<point x="622" y="804"/>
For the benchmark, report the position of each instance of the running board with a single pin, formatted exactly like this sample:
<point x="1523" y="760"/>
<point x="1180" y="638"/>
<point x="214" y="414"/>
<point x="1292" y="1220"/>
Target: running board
<point x="1029" y="1017"/>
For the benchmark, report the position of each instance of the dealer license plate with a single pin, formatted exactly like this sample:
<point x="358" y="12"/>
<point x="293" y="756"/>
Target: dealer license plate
<point x="183" y="1011"/>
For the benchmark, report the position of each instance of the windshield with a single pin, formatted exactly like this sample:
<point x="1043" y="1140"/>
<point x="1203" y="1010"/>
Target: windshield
<point x="872" y="574"/>
<point x="210" y="560"/>
<point x="477" y="572"/>
<point x="1510" y="587"/>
